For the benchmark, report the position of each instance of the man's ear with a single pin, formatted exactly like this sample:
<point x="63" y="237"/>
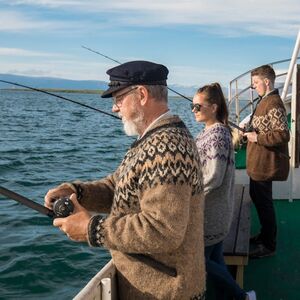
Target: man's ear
<point x="144" y="95"/>
<point x="267" y="81"/>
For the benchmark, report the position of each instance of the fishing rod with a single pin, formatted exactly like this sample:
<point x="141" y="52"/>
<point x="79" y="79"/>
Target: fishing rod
<point x="62" y="207"/>
<point x="179" y="94"/>
<point x="89" y="49"/>
<point x="60" y="97"/>
<point x="114" y="60"/>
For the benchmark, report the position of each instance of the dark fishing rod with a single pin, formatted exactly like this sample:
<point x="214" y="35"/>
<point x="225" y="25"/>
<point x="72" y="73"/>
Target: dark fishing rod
<point x="60" y="97"/>
<point x="179" y="94"/>
<point x="62" y="207"/>
<point x="114" y="60"/>
<point x="87" y="48"/>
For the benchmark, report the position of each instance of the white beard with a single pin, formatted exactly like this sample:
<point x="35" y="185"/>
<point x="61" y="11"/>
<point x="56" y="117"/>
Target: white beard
<point x="130" y="127"/>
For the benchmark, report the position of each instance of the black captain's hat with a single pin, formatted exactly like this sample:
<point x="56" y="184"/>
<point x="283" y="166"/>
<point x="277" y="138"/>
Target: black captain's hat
<point x="135" y="72"/>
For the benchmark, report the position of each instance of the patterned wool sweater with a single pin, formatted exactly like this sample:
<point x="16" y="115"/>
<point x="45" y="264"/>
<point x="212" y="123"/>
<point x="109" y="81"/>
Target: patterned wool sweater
<point x="217" y="160"/>
<point x="268" y="158"/>
<point x="155" y="205"/>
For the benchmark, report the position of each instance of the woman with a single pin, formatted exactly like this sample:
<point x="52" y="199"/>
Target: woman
<point x="216" y="152"/>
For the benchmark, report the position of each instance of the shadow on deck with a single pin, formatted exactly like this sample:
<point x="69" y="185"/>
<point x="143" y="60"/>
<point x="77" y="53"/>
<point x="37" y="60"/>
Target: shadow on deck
<point x="278" y="277"/>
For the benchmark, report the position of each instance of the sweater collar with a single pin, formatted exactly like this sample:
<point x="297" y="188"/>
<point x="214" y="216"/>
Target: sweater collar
<point x="164" y="121"/>
<point x="273" y="92"/>
<point x="154" y="122"/>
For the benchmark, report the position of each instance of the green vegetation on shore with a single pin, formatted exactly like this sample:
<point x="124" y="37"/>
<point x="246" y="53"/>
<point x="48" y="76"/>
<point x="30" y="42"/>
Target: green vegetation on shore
<point x="71" y="91"/>
<point x="60" y="91"/>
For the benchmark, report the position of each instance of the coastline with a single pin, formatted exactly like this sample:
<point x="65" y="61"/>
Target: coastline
<point x="57" y="91"/>
<point x="70" y="91"/>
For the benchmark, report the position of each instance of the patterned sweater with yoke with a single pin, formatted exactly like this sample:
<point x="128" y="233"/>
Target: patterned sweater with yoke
<point x="217" y="161"/>
<point x="268" y="159"/>
<point x="155" y="205"/>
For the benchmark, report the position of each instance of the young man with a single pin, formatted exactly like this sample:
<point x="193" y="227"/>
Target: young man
<point x="267" y="157"/>
<point x="154" y="200"/>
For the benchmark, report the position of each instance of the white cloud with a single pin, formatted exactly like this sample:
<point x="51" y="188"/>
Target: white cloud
<point x="269" y="17"/>
<point x="89" y="70"/>
<point x="26" y="53"/>
<point x="16" y="21"/>
<point x="69" y="69"/>
<point x="197" y="76"/>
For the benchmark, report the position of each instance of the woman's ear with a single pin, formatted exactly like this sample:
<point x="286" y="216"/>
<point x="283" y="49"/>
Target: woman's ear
<point x="215" y="107"/>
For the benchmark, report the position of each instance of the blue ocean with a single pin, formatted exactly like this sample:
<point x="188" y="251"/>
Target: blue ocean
<point x="45" y="141"/>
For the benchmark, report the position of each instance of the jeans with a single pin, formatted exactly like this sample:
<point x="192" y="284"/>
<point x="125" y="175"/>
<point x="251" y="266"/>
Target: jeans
<point x="217" y="271"/>
<point x="261" y="195"/>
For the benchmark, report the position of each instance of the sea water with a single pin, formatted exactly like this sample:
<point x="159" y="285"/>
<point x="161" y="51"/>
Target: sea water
<point x="45" y="141"/>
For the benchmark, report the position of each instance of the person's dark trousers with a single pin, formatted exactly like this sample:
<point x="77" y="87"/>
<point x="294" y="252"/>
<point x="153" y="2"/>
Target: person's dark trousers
<point x="217" y="272"/>
<point x="261" y="195"/>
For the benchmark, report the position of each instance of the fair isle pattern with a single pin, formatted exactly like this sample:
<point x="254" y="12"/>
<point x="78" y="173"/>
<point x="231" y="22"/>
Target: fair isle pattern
<point x="217" y="139"/>
<point x="163" y="156"/>
<point x="275" y="120"/>
<point x="217" y="159"/>
<point x="268" y="158"/>
<point x="96" y="231"/>
<point x="156" y="209"/>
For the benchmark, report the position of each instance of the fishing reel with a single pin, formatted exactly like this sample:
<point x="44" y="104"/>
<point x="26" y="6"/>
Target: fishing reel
<point x="249" y="128"/>
<point x="63" y="207"/>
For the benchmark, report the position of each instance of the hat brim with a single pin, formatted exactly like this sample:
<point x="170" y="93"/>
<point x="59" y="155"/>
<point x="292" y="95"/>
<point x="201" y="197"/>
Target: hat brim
<point x="108" y="93"/>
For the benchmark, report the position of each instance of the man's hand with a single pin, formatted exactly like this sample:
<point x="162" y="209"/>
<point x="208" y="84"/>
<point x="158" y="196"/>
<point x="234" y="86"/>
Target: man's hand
<point x="75" y="226"/>
<point x="61" y="191"/>
<point x="251" y="136"/>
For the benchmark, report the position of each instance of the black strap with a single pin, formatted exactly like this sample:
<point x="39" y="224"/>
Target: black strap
<point x="252" y="115"/>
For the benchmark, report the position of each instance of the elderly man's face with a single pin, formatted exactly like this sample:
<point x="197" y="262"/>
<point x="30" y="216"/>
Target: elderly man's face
<point x="127" y="105"/>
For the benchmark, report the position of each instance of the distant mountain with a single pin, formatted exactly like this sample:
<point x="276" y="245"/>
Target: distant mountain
<point x="187" y="91"/>
<point x="52" y="83"/>
<point x="67" y="84"/>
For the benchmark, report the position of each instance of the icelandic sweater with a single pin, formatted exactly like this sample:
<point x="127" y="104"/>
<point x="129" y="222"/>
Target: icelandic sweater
<point x="155" y="205"/>
<point x="268" y="159"/>
<point x="217" y="161"/>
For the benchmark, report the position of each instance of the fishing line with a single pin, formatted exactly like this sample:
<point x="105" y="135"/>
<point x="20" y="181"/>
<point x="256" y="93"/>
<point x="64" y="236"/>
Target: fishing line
<point x="179" y="94"/>
<point x="61" y="97"/>
<point x="114" y="60"/>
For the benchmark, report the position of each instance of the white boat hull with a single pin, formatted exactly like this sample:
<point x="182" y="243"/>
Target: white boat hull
<point x="103" y="286"/>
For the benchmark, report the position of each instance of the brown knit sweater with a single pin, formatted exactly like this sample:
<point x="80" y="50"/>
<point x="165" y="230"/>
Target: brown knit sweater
<point x="155" y="204"/>
<point x="268" y="158"/>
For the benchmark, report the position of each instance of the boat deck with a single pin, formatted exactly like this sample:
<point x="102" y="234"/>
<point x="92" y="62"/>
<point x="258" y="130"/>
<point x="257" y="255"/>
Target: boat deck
<point x="278" y="277"/>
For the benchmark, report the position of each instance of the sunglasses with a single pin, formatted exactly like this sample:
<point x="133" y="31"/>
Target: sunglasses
<point x="197" y="107"/>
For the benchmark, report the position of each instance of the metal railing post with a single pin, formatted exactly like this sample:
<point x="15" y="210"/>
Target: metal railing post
<point x="291" y="67"/>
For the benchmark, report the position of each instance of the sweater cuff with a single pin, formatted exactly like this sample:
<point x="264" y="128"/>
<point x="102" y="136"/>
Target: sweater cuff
<point x="96" y="231"/>
<point x="79" y="190"/>
<point x="259" y="138"/>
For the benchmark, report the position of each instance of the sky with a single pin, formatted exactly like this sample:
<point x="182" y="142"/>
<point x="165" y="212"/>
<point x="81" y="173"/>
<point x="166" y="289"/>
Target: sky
<point x="200" y="41"/>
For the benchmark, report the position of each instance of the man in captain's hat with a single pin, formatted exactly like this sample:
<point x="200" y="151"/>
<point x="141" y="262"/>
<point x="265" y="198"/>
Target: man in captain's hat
<point x="154" y="200"/>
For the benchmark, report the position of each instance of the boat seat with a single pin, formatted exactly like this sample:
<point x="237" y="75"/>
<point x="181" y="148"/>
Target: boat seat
<point x="236" y="244"/>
